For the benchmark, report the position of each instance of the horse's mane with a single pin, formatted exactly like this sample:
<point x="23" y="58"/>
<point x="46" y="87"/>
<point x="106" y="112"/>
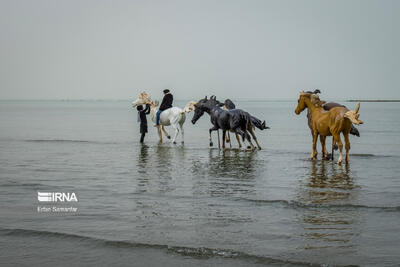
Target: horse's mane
<point x="190" y="106"/>
<point x="316" y="101"/>
<point x="314" y="98"/>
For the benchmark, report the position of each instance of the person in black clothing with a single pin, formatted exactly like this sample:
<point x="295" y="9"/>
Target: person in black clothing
<point x="143" y="120"/>
<point x="166" y="103"/>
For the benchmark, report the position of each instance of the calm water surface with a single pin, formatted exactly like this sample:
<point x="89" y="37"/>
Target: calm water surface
<point x="180" y="205"/>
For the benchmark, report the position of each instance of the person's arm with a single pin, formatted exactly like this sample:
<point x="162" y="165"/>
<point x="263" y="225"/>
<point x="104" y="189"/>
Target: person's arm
<point x="147" y="110"/>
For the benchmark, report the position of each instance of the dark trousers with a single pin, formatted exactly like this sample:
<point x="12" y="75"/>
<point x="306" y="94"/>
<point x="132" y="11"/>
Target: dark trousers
<point x="142" y="137"/>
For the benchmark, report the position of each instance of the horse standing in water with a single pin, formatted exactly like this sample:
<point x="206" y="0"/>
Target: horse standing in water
<point x="236" y="119"/>
<point x="229" y="105"/>
<point x="173" y="116"/>
<point x="326" y="106"/>
<point x="330" y="123"/>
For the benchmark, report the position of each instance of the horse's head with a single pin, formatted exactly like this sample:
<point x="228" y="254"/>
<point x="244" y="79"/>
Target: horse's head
<point x="199" y="109"/>
<point x="301" y="102"/>
<point x="141" y="100"/>
<point x="204" y="105"/>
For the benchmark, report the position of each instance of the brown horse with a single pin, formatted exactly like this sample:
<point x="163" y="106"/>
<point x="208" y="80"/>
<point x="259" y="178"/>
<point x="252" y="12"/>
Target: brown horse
<point x="328" y="123"/>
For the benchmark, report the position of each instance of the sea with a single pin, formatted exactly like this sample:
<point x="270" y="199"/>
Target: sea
<point x="191" y="204"/>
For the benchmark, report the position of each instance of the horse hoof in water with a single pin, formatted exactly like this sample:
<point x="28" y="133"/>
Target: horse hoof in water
<point x="168" y="136"/>
<point x="211" y="143"/>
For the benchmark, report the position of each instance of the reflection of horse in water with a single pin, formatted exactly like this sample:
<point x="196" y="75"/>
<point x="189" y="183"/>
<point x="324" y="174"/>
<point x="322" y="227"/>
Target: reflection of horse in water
<point x="233" y="163"/>
<point x="324" y="192"/>
<point x="327" y="184"/>
<point x="143" y="161"/>
<point x="230" y="172"/>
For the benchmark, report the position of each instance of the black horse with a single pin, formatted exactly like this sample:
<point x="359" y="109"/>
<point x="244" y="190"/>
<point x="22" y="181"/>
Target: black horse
<point x="236" y="120"/>
<point x="229" y="105"/>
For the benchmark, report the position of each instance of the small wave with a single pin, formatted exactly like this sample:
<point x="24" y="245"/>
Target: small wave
<point x="195" y="252"/>
<point x="17" y="184"/>
<point x="366" y="155"/>
<point x="58" y="140"/>
<point x="360" y="155"/>
<point x="297" y="204"/>
<point x="67" y="141"/>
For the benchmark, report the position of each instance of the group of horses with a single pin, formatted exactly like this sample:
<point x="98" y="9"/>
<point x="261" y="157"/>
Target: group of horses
<point x="324" y="119"/>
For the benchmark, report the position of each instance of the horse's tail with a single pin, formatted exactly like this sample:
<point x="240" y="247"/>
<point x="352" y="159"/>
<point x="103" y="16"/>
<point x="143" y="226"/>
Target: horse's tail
<point x="245" y="120"/>
<point x="182" y="117"/>
<point x="247" y="117"/>
<point x="257" y="123"/>
<point x="354" y="131"/>
<point x="353" y="115"/>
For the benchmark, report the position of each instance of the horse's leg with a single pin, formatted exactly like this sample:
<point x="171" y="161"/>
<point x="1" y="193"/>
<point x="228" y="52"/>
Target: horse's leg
<point x="340" y="145"/>
<point x="159" y="133"/>
<point x="250" y="129"/>
<point x="238" y="140"/>
<point x="246" y="136"/>
<point x="241" y="133"/>
<point x="347" y="146"/>
<point x="210" y="130"/>
<point x="176" y="128"/>
<point x="223" y="138"/>
<point x="228" y="138"/>
<point x="182" y="133"/>
<point x="249" y="140"/>
<point x="322" y="139"/>
<point x="219" y="144"/>
<point x="314" y="145"/>
<point x="165" y="132"/>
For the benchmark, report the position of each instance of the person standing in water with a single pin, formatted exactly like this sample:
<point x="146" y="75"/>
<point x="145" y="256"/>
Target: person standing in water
<point x="143" y="120"/>
<point x="165" y="104"/>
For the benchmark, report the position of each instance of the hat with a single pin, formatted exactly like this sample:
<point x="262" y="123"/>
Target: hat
<point x="166" y="91"/>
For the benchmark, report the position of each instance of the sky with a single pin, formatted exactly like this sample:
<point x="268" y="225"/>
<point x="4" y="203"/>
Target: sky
<point x="246" y="49"/>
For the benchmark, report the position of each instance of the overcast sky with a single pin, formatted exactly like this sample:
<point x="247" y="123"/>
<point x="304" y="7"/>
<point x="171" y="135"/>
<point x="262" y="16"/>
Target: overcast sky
<point x="238" y="49"/>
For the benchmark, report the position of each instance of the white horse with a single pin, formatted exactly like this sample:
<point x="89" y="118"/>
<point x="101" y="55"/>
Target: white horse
<point x="173" y="116"/>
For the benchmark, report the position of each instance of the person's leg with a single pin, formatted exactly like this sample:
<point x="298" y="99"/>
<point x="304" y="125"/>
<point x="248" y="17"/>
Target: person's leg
<point x="158" y="117"/>
<point x="142" y="137"/>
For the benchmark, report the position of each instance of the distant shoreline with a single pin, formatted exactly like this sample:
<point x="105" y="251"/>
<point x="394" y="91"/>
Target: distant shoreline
<point x="373" y="100"/>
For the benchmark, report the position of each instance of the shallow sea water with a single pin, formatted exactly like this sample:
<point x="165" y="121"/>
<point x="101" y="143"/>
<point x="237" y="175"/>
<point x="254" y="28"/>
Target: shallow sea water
<point x="180" y="205"/>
